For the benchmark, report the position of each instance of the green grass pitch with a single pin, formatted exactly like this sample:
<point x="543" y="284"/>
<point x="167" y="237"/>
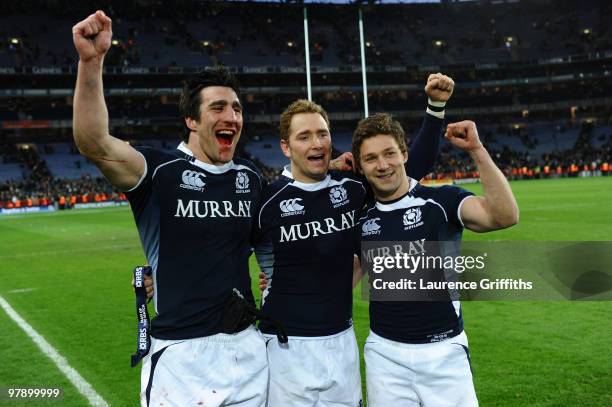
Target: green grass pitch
<point x="68" y="274"/>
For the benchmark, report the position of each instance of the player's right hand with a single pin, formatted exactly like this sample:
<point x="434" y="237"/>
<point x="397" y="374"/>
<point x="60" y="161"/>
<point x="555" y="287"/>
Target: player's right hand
<point x="343" y="162"/>
<point x="92" y="36"/>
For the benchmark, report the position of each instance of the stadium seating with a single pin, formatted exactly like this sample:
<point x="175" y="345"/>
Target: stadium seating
<point x="267" y="150"/>
<point x="13" y="172"/>
<point x="63" y="162"/>
<point x="256" y="34"/>
<point x="524" y="62"/>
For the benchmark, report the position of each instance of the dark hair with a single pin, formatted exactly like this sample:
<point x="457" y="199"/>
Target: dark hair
<point x="379" y="123"/>
<point x="191" y="98"/>
<point x="297" y="107"/>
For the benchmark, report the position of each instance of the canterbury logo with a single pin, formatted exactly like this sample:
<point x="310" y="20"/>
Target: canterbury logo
<point x="370" y="227"/>
<point x="193" y="180"/>
<point x="291" y="205"/>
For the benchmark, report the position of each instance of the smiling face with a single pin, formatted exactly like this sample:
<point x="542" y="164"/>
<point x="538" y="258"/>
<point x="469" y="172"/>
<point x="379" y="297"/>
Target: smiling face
<point x="215" y="134"/>
<point x="308" y="147"/>
<point x="382" y="163"/>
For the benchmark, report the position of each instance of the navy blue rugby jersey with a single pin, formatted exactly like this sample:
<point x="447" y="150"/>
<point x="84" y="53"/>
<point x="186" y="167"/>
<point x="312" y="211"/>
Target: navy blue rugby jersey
<point x="424" y="213"/>
<point x="305" y="237"/>
<point x="194" y="220"/>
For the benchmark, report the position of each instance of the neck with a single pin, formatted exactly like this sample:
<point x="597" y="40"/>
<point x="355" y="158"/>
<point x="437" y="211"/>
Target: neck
<point x="402" y="190"/>
<point x="300" y="177"/>
<point x="197" y="152"/>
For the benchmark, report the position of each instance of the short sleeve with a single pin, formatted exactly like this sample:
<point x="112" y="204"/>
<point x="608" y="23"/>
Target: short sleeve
<point x="141" y="192"/>
<point x="451" y="198"/>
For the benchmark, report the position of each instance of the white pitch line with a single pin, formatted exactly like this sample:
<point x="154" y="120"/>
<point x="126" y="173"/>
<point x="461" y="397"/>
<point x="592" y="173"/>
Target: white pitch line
<point x="21" y="290"/>
<point x="85" y="249"/>
<point x="62" y="364"/>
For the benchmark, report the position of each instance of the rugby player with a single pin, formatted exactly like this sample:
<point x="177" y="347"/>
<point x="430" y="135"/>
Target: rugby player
<point x="305" y="236"/>
<point x="417" y="352"/>
<point x="193" y="209"/>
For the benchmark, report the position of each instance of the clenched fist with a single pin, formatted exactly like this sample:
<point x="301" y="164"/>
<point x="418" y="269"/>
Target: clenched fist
<point x="439" y="88"/>
<point x="343" y="162"/>
<point x="148" y="284"/>
<point x="92" y="36"/>
<point x="463" y="135"/>
<point x="263" y="282"/>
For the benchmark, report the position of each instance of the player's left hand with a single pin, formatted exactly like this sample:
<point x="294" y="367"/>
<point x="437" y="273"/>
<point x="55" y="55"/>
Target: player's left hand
<point x="439" y="88"/>
<point x="148" y="283"/>
<point x="263" y="282"/>
<point x="344" y="162"/>
<point x="463" y="135"/>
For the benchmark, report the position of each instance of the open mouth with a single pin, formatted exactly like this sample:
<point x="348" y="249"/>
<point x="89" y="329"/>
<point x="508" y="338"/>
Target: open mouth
<point x="316" y="158"/>
<point x="225" y="137"/>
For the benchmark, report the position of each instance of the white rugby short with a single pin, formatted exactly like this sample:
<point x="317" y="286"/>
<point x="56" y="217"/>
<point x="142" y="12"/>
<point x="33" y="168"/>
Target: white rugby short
<point x="315" y="371"/>
<point x="211" y="371"/>
<point x="419" y="375"/>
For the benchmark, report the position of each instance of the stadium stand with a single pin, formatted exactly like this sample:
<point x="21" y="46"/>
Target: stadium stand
<point x="11" y="172"/>
<point x="534" y="75"/>
<point x="167" y="33"/>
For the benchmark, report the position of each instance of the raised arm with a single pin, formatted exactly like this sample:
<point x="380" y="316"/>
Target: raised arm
<point x="120" y="163"/>
<point x="424" y="149"/>
<point x="497" y="209"/>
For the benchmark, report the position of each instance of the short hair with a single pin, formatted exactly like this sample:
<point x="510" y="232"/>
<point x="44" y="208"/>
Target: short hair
<point x="191" y="97"/>
<point x="297" y="107"/>
<point x="379" y="123"/>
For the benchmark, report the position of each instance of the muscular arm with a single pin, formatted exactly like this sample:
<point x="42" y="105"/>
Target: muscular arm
<point x="497" y="209"/>
<point x="120" y="163"/>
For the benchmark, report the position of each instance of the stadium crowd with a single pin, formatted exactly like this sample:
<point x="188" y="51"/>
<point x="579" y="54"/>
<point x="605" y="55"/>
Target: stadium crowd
<point x="248" y="35"/>
<point x="587" y="161"/>
<point x="163" y="109"/>
<point x="61" y="191"/>
<point x="583" y="158"/>
<point x="40" y="187"/>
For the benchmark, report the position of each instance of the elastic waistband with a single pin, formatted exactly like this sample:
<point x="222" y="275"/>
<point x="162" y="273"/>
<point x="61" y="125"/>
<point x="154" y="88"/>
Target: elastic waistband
<point x="314" y="338"/>
<point x="379" y="338"/>
<point x="217" y="338"/>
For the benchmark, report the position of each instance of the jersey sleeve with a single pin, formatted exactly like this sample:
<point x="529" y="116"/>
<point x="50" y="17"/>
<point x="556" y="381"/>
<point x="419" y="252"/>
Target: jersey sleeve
<point x="424" y="149"/>
<point x="141" y="192"/>
<point x="262" y="244"/>
<point x="451" y="198"/>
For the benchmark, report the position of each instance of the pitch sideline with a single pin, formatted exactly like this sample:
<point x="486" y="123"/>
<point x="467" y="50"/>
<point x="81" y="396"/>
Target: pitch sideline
<point x="62" y="364"/>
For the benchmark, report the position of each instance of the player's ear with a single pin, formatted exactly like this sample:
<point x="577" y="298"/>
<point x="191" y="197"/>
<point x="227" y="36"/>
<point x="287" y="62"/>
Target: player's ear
<point x="191" y="123"/>
<point x="284" y="145"/>
<point x="405" y="154"/>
